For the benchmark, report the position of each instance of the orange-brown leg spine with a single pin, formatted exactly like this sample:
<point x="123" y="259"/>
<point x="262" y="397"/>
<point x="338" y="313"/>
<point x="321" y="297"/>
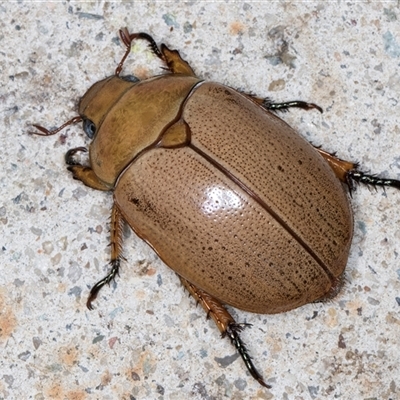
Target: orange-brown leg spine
<point x="226" y="325"/>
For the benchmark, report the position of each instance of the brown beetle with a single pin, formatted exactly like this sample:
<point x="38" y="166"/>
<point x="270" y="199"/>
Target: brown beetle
<point x="241" y="207"/>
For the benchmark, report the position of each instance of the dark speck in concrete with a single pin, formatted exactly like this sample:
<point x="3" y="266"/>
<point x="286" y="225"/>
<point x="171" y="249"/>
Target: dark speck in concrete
<point x="225" y="361"/>
<point x="89" y="16"/>
<point x="313" y="391"/>
<point x="240" y="384"/>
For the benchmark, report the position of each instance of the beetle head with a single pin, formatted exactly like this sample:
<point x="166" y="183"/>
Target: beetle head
<point x="124" y="117"/>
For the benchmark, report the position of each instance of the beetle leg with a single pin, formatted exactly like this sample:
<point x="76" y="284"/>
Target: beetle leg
<point x="340" y="167"/>
<point x="175" y="63"/>
<point x="366" y="179"/>
<point x="116" y="233"/>
<point x="82" y="173"/>
<point x="172" y="58"/>
<point x="267" y="104"/>
<point x="348" y="173"/>
<point x="226" y="325"/>
<point x="88" y="177"/>
<point x="128" y="38"/>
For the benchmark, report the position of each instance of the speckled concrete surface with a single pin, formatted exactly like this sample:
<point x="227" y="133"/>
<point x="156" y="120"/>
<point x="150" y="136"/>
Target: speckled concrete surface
<point x="146" y="339"/>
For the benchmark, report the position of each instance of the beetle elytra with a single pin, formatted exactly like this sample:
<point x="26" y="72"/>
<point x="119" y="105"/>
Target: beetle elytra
<point x="243" y="209"/>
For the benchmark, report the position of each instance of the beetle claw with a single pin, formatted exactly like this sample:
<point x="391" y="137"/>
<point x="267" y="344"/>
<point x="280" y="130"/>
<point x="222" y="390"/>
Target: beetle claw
<point x="70" y="154"/>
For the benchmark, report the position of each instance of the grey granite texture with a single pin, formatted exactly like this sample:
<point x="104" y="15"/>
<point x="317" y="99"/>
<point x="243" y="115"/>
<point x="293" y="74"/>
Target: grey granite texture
<point x="146" y="339"/>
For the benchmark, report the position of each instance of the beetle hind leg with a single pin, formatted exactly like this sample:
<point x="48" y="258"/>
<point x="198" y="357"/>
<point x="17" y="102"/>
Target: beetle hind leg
<point x="366" y="179"/>
<point x="116" y="231"/>
<point x="226" y="324"/>
<point x="349" y="173"/>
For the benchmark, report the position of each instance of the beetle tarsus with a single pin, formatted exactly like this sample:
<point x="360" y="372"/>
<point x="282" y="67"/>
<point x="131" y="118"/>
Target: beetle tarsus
<point x="268" y="105"/>
<point x="116" y="232"/>
<point x="372" y="180"/>
<point x="232" y="332"/>
<point x="115" y="264"/>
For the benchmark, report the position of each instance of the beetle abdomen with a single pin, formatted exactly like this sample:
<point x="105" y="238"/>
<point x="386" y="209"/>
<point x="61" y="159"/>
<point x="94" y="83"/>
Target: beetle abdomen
<point x="248" y="210"/>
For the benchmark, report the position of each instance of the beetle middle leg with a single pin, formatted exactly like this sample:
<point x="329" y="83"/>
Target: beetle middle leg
<point x="226" y="325"/>
<point x="268" y="105"/>
<point x="116" y="232"/>
<point x="348" y="172"/>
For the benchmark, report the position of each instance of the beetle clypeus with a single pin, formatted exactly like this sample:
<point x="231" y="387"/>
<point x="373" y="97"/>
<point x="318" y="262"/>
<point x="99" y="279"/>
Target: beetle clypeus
<point x="242" y="208"/>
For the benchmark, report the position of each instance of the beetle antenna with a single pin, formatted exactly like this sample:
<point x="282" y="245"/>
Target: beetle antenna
<point x="45" y="132"/>
<point x="232" y="331"/>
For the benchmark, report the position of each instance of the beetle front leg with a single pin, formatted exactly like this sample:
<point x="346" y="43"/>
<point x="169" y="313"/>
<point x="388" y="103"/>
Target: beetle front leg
<point x="88" y="177"/>
<point x="226" y="325"/>
<point x="82" y="173"/>
<point x="175" y="63"/>
<point x="116" y="233"/>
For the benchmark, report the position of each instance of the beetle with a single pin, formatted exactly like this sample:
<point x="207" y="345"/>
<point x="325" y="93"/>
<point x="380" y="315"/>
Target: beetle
<point x="242" y="208"/>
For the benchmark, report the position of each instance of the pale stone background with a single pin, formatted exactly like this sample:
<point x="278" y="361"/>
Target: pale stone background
<point x="146" y="339"/>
